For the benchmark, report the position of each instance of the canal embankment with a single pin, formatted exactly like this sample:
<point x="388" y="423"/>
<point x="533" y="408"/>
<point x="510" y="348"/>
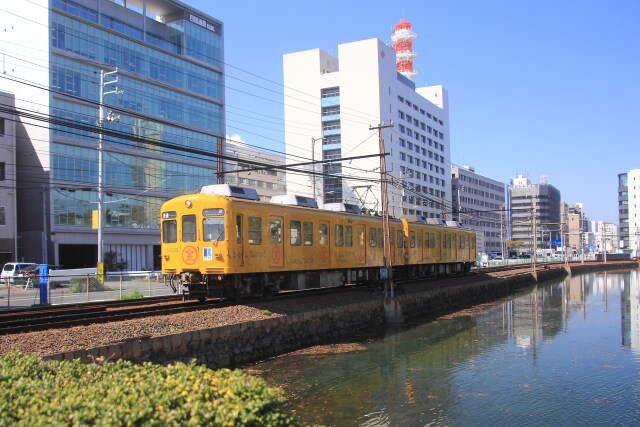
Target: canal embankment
<point x="279" y="329"/>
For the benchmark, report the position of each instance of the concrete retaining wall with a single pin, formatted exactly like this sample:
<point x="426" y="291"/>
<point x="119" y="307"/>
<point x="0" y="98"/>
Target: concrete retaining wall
<point x="251" y="341"/>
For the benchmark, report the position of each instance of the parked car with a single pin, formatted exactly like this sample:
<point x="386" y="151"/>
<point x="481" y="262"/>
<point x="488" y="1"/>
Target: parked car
<point x="13" y="269"/>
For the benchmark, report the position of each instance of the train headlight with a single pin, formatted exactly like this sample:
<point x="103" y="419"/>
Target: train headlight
<point x="188" y="203"/>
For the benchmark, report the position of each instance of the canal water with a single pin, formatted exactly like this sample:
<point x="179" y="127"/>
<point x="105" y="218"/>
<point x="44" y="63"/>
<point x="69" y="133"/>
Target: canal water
<point x="561" y="353"/>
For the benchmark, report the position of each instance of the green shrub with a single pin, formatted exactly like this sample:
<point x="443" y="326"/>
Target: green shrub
<point x="36" y="392"/>
<point x="79" y="284"/>
<point x="132" y="295"/>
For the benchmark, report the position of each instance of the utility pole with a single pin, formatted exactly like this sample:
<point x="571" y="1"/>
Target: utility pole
<point x="388" y="284"/>
<point x="101" y="118"/>
<point x="313" y="165"/>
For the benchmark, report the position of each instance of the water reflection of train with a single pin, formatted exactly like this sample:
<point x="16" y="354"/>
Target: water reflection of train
<point x="225" y="242"/>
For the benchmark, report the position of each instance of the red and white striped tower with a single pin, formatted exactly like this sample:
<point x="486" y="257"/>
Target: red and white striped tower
<point x="402" y="38"/>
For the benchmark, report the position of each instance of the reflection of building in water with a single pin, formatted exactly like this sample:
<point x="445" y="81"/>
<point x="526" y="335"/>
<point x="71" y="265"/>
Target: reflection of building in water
<point x="576" y="291"/>
<point x="630" y="311"/>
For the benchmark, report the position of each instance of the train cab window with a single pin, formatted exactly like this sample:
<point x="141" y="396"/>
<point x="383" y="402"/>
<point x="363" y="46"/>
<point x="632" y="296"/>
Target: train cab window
<point x="348" y="235"/>
<point x="373" y="238"/>
<point x="275" y="230"/>
<point x="323" y="234"/>
<point x="400" y="238"/>
<point x="294" y="232"/>
<point x="188" y="228"/>
<point x="213" y="229"/>
<point x="380" y="238"/>
<point x="307" y="233"/>
<point x="339" y="235"/>
<point x="169" y="231"/>
<point x="412" y="239"/>
<point x="255" y="230"/>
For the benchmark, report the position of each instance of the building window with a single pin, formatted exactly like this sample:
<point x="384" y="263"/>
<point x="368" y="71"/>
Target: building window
<point x="2" y="171"/>
<point x="331" y="111"/>
<point x="331" y="125"/>
<point x="330" y="92"/>
<point x="1" y="126"/>
<point x="331" y="139"/>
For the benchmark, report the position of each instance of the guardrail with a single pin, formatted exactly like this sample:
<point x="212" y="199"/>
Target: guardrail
<point x="78" y="288"/>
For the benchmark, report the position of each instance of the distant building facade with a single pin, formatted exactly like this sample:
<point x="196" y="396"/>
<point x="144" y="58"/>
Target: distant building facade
<point x="359" y="89"/>
<point x="267" y="182"/>
<point x="629" y="211"/>
<point x="534" y="207"/>
<point x="578" y="238"/>
<point x="479" y="203"/>
<point x="8" y="217"/>
<point x="605" y="236"/>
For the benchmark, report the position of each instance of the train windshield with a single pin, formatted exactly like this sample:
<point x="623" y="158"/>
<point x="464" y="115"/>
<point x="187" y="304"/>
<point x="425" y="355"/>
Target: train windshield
<point x="213" y="229"/>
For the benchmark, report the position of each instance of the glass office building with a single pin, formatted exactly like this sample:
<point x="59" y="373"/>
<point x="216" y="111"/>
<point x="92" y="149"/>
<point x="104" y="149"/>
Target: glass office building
<point x="161" y="137"/>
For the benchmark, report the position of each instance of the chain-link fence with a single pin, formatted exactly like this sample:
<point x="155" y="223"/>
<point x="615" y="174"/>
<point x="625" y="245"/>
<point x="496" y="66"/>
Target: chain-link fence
<point x="25" y="291"/>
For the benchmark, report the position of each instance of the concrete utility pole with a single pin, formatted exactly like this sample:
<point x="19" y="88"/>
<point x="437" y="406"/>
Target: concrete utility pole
<point x="384" y="197"/>
<point x="101" y="118"/>
<point x="313" y="165"/>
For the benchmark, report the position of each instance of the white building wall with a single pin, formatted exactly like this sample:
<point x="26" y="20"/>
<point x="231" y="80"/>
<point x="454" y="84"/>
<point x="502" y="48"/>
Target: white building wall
<point x="365" y="72"/>
<point x="633" y="188"/>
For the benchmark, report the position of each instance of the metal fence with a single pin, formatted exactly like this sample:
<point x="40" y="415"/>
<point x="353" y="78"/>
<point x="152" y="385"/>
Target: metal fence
<point x="515" y="261"/>
<point x="71" y="289"/>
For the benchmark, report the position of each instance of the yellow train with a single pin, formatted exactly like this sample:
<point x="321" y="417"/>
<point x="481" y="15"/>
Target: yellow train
<point x="228" y="245"/>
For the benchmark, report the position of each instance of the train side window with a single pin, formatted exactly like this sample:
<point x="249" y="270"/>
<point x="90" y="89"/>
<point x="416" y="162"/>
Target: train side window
<point x="188" y="228"/>
<point x="255" y="230"/>
<point x="213" y="229"/>
<point x="238" y="229"/>
<point x="323" y="234"/>
<point x="361" y="235"/>
<point x="373" y="238"/>
<point x="400" y="238"/>
<point x="412" y="239"/>
<point x="380" y="238"/>
<point x="307" y="233"/>
<point x="275" y="230"/>
<point x="339" y="235"/>
<point x="419" y="239"/>
<point x="348" y="235"/>
<point x="169" y="231"/>
<point x="294" y="230"/>
<point x="437" y="241"/>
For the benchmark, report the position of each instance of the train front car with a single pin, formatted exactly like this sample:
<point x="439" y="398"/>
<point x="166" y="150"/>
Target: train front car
<point x="195" y="253"/>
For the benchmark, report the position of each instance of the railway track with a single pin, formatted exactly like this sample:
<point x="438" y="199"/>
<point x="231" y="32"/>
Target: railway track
<point x="59" y="317"/>
<point x="65" y="316"/>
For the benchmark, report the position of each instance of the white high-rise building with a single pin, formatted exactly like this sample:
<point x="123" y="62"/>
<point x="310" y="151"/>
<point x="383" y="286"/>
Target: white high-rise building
<point x="337" y="100"/>
<point x="629" y="210"/>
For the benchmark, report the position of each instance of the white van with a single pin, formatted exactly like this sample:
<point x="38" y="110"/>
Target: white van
<point x="12" y="269"/>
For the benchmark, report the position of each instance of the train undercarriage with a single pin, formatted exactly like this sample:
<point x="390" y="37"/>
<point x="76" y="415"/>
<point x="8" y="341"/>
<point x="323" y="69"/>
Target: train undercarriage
<point x="200" y="286"/>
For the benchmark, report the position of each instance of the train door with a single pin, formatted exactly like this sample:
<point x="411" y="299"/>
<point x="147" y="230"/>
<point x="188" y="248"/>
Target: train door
<point x="188" y="237"/>
<point x="239" y="252"/>
<point x="276" y="253"/>
<point x="361" y="244"/>
<point x="323" y="242"/>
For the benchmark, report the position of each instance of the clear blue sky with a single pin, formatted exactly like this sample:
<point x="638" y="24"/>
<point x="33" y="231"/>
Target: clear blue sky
<point x="542" y="88"/>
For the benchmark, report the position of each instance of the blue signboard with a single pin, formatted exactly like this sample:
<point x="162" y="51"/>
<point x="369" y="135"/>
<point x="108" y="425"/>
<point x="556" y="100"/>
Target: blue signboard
<point x="556" y="242"/>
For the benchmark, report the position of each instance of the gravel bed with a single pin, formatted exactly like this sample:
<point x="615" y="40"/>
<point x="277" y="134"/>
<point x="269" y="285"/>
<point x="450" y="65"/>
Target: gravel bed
<point x="81" y="337"/>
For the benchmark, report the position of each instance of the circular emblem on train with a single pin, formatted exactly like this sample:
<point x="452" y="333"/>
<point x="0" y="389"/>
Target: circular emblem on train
<point x="189" y="255"/>
<point x="275" y="255"/>
<point x="324" y="254"/>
